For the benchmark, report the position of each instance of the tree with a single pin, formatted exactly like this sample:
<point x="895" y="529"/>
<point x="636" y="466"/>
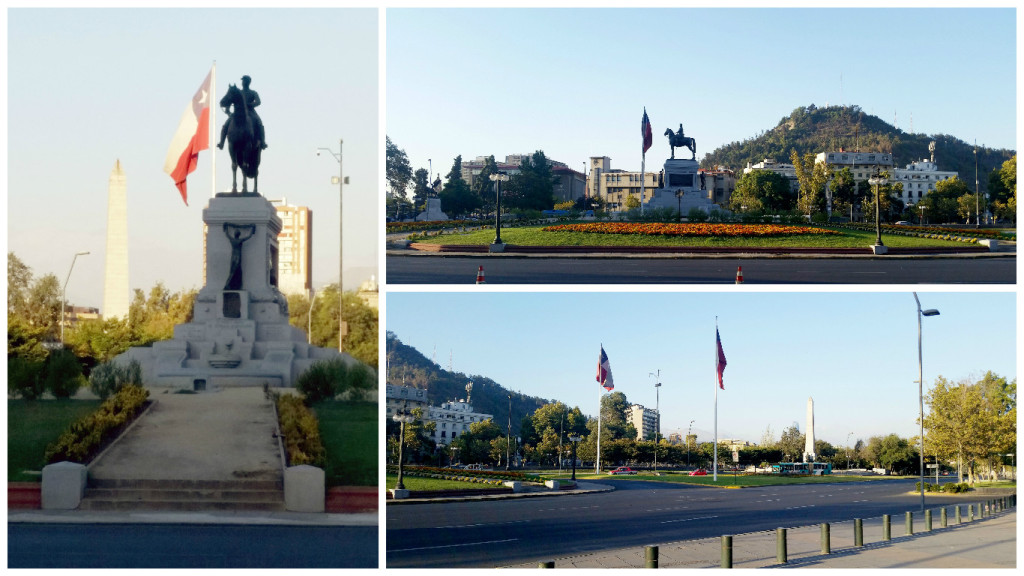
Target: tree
<point x="482" y="187"/>
<point x="456" y="197"/>
<point x="843" y="190"/>
<point x="548" y="425"/>
<point x="362" y="321"/>
<point x="812" y="177"/>
<point x="43" y="305"/>
<point x="896" y="454"/>
<point x="399" y="172"/>
<point x="534" y="187"/>
<point x="761" y="191"/>
<point x="19" y="278"/>
<point x="941" y="203"/>
<point x="792" y="443"/>
<point x="890" y="197"/>
<point x="421" y="187"/>
<point x="475" y="445"/>
<point x="632" y="202"/>
<point x="968" y="205"/>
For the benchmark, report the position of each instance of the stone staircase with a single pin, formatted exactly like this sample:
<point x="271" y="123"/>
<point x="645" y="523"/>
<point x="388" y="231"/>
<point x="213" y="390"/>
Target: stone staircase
<point x="214" y="450"/>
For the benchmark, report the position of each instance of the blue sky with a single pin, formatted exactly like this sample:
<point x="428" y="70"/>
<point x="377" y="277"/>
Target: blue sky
<point x="855" y="353"/>
<point x="574" y="82"/>
<point x="86" y="88"/>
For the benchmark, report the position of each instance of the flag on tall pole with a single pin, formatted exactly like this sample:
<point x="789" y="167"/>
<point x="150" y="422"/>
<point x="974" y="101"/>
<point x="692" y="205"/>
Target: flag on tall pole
<point x="719" y="359"/>
<point x="192" y="135"/>
<point x="719" y="370"/>
<point x="604" y="378"/>
<point x="645" y="131"/>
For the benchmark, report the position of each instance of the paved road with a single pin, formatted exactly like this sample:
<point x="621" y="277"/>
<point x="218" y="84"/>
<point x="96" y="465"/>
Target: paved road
<point x="532" y="270"/>
<point x="500" y="533"/>
<point x="190" y="546"/>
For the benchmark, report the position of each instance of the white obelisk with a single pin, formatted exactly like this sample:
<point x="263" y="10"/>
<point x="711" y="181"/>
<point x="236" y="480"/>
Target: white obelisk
<point x="116" y="293"/>
<point x="809" y="441"/>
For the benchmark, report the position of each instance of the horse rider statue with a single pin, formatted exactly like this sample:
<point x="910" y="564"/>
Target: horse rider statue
<point x="252" y="100"/>
<point x="681" y="141"/>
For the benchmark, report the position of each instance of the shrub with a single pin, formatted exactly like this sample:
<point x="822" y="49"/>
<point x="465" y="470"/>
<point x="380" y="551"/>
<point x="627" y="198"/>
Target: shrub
<point x="109" y="377"/>
<point x="86" y="437"/>
<point x="329" y="378"/>
<point x="62" y="374"/>
<point x="24" y="378"/>
<point x="696" y="215"/>
<point x="301" y="432"/>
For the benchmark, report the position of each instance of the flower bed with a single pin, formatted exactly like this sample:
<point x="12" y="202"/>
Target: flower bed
<point x="962" y="234"/>
<point x="691" y="230"/>
<point x="496" y="477"/>
<point x="393" y="227"/>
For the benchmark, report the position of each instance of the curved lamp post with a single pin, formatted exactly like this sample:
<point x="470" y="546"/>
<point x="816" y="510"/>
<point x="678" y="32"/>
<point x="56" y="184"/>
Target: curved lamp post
<point x="920" y="383"/>
<point x="498" y="178"/>
<point x="878" y="180"/>
<point x="63" y="299"/>
<point x="403" y="417"/>
<point x="574" y="438"/>
<point x="341" y="236"/>
<point x="657" y="415"/>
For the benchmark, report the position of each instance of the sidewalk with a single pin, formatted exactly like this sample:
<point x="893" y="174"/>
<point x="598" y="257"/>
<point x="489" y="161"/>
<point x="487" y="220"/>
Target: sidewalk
<point x="990" y="542"/>
<point x="528" y="492"/>
<point x="225" y="517"/>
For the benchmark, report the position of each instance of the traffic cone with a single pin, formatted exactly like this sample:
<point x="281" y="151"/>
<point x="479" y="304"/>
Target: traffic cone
<point x="739" y="275"/>
<point x="480" y="275"/>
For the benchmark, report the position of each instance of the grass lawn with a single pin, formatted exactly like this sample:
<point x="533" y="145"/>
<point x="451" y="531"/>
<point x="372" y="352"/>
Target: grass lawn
<point x="31" y="425"/>
<point x="534" y="236"/>
<point x="727" y="479"/>
<point x="418" y="483"/>
<point x="349" y="433"/>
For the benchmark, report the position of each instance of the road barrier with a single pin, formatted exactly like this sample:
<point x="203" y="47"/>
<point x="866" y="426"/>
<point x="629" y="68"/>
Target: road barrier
<point x="910" y="523"/>
<point x="858" y="532"/>
<point x="826" y="539"/>
<point x="886" y="527"/>
<point x="726" y="551"/>
<point x="780" y="545"/>
<point x="927" y="520"/>
<point x="651" y="557"/>
<point x="548" y="564"/>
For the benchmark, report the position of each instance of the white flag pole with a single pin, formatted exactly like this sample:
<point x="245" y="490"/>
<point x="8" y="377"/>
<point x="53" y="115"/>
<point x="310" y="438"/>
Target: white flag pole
<point x="598" y="470"/>
<point x="643" y="162"/>
<point x="715" y="448"/>
<point x="213" y="130"/>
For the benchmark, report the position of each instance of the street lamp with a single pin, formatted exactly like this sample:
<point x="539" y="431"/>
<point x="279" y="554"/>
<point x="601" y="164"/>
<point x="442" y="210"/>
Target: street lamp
<point x="920" y="382"/>
<point x="341" y="181"/>
<point x="309" y="323"/>
<point x="498" y="178"/>
<point x="657" y="415"/>
<point x="977" y="190"/>
<point x="848" y="452"/>
<point x="878" y="180"/>
<point x="508" y="436"/>
<point x="403" y="417"/>
<point x="574" y="438"/>
<point x="688" y="431"/>
<point x="63" y="298"/>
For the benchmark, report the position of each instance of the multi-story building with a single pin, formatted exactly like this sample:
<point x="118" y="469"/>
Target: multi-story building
<point x="452" y="419"/>
<point x="399" y="397"/>
<point x="919" y="178"/>
<point x="720" y="183"/>
<point x="861" y="164"/>
<point x="645" y="420"/>
<point x="295" y="248"/>
<point x="570" y="185"/>
<point x="369" y="292"/>
<point x="787" y="171"/>
<point x="616" y="186"/>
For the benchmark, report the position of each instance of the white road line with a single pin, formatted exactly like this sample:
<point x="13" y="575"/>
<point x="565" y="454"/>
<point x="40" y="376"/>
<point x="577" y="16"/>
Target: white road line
<point x="483" y="524"/>
<point x="689" y="519"/>
<point x="453" y="545"/>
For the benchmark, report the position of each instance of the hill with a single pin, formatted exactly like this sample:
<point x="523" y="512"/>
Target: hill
<point x="812" y="129"/>
<point x="406" y="366"/>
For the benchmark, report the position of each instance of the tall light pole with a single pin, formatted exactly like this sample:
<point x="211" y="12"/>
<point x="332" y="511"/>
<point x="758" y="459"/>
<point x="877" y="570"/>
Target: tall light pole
<point x="977" y="190"/>
<point x="848" y="452"/>
<point x="574" y="438"/>
<point x="63" y="297"/>
<point x="877" y="180"/>
<point x="309" y="324"/>
<point x="498" y="178"/>
<point x="920" y="382"/>
<point x="508" y="437"/>
<point x="657" y="415"/>
<point x="341" y="239"/>
<point x="688" y="432"/>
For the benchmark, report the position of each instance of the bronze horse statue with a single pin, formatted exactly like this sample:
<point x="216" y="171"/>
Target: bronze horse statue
<point x="681" y="141"/>
<point x="243" y="140"/>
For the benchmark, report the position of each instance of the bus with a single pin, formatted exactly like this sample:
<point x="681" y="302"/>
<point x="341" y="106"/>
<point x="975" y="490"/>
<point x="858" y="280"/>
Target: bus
<point x="802" y="468"/>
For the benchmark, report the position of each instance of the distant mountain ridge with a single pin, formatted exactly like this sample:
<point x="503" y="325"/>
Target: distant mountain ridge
<point x="813" y="129"/>
<point x="407" y="366"/>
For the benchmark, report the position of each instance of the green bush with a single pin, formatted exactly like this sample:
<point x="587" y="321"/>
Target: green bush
<point x="24" y="378"/>
<point x="62" y="374"/>
<point x="329" y="378"/>
<point x="108" y="378"/>
<point x="86" y="437"/>
<point x="301" y="432"/>
<point x="696" y="215"/>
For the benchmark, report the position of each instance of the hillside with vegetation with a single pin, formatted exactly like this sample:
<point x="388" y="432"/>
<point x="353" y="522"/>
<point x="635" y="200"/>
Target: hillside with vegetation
<point x="812" y="129"/>
<point x="406" y="366"/>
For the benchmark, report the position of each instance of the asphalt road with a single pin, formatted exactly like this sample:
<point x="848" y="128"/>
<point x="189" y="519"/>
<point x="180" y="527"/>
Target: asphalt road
<point x="502" y="532"/>
<point x="190" y="546"/>
<point x="533" y="270"/>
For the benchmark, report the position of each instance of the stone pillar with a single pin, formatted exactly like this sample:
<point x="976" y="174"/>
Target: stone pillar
<point x="304" y="489"/>
<point x="63" y="485"/>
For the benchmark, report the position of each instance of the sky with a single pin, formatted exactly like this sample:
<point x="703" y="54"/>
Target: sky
<point x="855" y="353"/>
<point x="575" y="82"/>
<point x="89" y="87"/>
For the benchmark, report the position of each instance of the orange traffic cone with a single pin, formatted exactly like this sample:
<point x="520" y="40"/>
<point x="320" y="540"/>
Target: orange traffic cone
<point x="480" y="275"/>
<point x="739" y="275"/>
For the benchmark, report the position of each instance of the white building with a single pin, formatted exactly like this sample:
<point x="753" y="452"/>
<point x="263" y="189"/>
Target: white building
<point x="919" y="178"/>
<point x="787" y="171"/>
<point x="453" y="419"/>
<point x="645" y="420"/>
<point x="398" y="397"/>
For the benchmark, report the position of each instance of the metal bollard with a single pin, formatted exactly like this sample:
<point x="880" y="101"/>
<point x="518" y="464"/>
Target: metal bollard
<point x="858" y="532"/>
<point x="959" y="520"/>
<point x="970" y="512"/>
<point x="886" y="527"/>
<point x="910" y="523"/>
<point x="780" y="545"/>
<point x="726" y="551"/>
<point x="826" y="539"/>
<point x="944" y="517"/>
<point x="651" y="557"/>
<point x="927" y="520"/>
<point x="548" y="564"/>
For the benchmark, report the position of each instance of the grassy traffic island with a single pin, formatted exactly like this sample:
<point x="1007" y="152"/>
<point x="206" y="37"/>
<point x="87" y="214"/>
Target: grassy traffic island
<point x="696" y="237"/>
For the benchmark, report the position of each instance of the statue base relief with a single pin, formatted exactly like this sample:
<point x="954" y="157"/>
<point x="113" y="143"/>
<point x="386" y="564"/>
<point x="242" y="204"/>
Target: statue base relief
<point x="433" y="212"/>
<point x="239" y="334"/>
<point x="682" y="190"/>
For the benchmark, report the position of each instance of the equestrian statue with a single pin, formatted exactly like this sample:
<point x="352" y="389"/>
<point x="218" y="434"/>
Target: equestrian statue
<point x="677" y="139"/>
<point x="244" y="133"/>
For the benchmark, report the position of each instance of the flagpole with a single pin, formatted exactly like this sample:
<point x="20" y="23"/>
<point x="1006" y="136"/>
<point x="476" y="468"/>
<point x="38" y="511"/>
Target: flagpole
<point x="643" y="162"/>
<point x="715" y="448"/>
<point x="598" y="471"/>
<point x="213" y="128"/>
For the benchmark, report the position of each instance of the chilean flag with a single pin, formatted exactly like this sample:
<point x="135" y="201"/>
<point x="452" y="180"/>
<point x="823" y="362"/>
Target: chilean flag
<point x="645" y="130"/>
<point x="193" y="135"/>
<point x="720" y="360"/>
<point x="604" y="371"/>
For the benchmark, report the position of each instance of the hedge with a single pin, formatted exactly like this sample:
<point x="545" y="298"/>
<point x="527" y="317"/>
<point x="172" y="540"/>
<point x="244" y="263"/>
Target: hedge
<point x="301" y="432"/>
<point x="85" y="438"/>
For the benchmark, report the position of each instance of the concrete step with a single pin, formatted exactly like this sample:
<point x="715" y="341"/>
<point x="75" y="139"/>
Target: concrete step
<point x="179" y="505"/>
<point x="187" y="484"/>
<point x="183" y="494"/>
<point x="155" y="494"/>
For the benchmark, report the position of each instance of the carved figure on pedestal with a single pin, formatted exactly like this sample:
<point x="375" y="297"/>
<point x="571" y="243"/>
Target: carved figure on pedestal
<point x="677" y="139"/>
<point x="236" y="235"/>
<point x="244" y="132"/>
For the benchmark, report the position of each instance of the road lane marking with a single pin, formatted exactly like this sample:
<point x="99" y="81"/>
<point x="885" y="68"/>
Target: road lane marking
<point x="689" y="519"/>
<point x="799" y="507"/>
<point x="453" y="545"/>
<point x="483" y="524"/>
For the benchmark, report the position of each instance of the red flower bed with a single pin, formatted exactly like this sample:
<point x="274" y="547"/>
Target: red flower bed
<point x="695" y="229"/>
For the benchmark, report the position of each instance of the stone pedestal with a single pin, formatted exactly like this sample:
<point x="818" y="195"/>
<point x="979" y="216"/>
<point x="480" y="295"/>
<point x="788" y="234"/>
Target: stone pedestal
<point x="304" y="489"/>
<point x="239" y="334"/>
<point x="878" y="249"/>
<point x="63" y="485"/>
<point x="433" y="212"/>
<point x="682" y="189"/>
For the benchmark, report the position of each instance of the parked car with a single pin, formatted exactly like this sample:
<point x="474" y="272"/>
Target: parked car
<point x="699" y="472"/>
<point x="622" y="470"/>
<point x="903" y="223"/>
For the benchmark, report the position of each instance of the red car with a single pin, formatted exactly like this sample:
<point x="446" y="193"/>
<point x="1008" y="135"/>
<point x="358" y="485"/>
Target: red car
<point x="622" y="470"/>
<point x="699" y="472"/>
